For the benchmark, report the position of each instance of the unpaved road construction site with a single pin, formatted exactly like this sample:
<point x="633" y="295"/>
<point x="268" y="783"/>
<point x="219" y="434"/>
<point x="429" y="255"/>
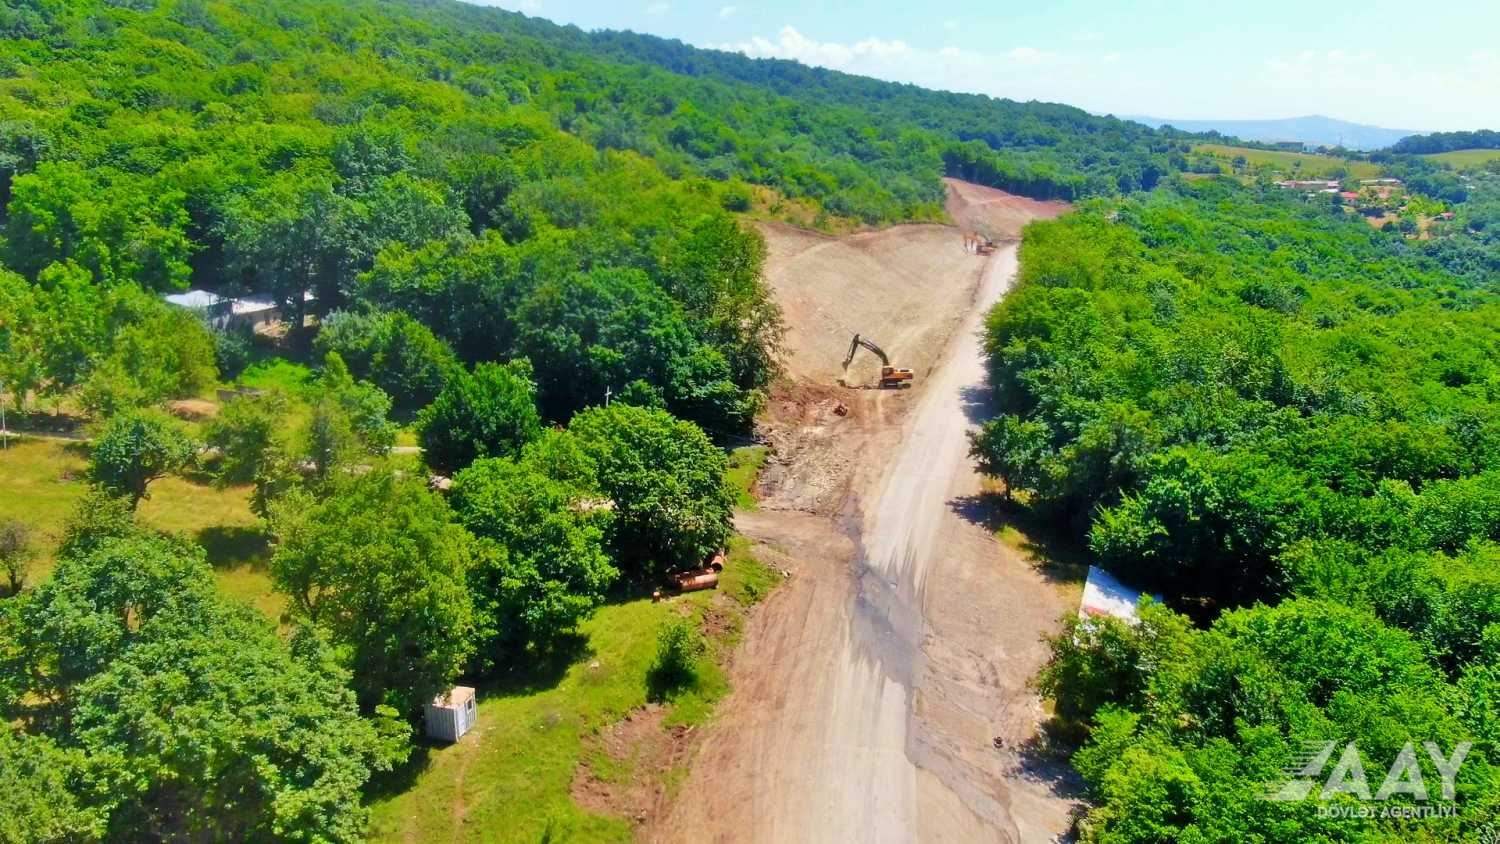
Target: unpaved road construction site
<point x="881" y="694"/>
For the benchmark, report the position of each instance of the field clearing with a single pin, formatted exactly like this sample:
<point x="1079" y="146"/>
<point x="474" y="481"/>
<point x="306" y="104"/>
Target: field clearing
<point x="515" y="771"/>
<point x="1462" y="158"/>
<point x="1291" y="163"/>
<point x="42" y="480"/>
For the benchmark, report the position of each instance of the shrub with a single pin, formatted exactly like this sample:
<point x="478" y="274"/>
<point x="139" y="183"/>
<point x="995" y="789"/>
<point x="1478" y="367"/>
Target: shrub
<point x="232" y="352"/>
<point x="679" y="649"/>
<point x="735" y="197"/>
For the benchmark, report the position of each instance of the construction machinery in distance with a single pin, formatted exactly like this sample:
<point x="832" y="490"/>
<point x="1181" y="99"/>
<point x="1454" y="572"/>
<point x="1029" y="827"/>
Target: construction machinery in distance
<point x="978" y="244"/>
<point x="890" y="376"/>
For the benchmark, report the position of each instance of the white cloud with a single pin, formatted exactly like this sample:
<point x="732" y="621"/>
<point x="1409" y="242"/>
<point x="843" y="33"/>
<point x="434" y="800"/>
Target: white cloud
<point x="1022" y="71"/>
<point x="726" y="12"/>
<point x="872" y="54"/>
<point x="791" y="44"/>
<point x="656" y="9"/>
<point x="1354" y="83"/>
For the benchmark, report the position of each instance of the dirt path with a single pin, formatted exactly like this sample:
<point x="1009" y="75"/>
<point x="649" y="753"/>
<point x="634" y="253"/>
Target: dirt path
<point x="871" y="688"/>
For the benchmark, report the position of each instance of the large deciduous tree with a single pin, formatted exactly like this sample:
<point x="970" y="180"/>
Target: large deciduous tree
<point x="120" y="227"/>
<point x="490" y="412"/>
<point x="151" y="702"/>
<point x="672" y="505"/>
<point x="135" y="449"/>
<point x="379" y="566"/>
<point x="598" y="332"/>
<point x="43" y="787"/>
<point x="390" y="349"/>
<point x="545" y="568"/>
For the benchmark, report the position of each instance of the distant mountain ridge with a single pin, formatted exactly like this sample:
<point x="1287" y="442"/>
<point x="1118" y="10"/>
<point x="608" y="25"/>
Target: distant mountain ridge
<point x="1312" y="129"/>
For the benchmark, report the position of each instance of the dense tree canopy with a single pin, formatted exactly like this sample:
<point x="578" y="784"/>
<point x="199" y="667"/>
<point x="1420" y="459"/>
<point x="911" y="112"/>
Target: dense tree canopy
<point x="145" y="702"/>
<point x="490" y="412"/>
<point x="463" y="166"/>
<point x="672" y="506"/>
<point x="545" y="567"/>
<point x="391" y="350"/>
<point x="1275" y="414"/>
<point x="1243" y="398"/>
<point x="1446" y="141"/>
<point x="447" y="213"/>
<point x="121" y="347"/>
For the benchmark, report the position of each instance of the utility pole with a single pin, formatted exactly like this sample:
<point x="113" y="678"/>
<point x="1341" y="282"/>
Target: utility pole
<point x="607" y="394"/>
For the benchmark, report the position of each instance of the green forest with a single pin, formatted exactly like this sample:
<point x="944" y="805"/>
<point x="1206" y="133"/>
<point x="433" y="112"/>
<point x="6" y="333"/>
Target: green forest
<point x="1447" y="142"/>
<point x="483" y="275"/>
<point x="1287" y="423"/>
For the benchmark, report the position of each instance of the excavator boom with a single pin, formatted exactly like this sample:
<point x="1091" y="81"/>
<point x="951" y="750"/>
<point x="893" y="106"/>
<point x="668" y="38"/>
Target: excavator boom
<point x="860" y="341"/>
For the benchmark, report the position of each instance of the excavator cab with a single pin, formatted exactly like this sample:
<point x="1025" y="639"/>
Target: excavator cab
<point x="894" y="376"/>
<point x="890" y="376"/>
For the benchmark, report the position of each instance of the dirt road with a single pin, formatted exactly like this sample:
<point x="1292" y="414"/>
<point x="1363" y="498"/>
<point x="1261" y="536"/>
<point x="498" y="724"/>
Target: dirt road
<point x="871" y="688"/>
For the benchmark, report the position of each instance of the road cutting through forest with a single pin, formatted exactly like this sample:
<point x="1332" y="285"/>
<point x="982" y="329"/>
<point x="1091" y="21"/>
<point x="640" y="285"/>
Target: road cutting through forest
<point x="871" y="689"/>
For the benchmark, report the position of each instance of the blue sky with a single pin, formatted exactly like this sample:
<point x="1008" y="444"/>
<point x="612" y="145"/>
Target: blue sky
<point x="1403" y="65"/>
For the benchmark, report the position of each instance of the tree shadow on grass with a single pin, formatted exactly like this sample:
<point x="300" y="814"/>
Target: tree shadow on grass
<point x="666" y="682"/>
<point x="197" y="475"/>
<point x="537" y="670"/>
<point x="56" y="424"/>
<point x="403" y="778"/>
<point x="232" y="546"/>
<point x="1052" y="547"/>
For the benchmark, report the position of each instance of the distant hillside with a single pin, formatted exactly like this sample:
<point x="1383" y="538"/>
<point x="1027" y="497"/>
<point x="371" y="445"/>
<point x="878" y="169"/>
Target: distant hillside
<point x="1313" y="129"/>
<point x="1448" y="142"/>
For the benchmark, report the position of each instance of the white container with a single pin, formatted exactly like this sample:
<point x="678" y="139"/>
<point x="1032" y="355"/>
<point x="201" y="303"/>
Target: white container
<point x="451" y="715"/>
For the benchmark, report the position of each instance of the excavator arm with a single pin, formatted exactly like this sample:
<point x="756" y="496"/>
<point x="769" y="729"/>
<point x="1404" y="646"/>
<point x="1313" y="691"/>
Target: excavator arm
<point x="860" y="341"/>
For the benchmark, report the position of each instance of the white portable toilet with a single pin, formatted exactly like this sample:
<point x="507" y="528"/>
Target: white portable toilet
<point x="451" y="715"/>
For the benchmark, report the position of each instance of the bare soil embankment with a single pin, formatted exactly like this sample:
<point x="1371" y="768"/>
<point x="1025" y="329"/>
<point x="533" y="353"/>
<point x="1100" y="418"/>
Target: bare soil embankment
<point x="871" y="687"/>
<point x="994" y="213"/>
<point x="905" y="288"/>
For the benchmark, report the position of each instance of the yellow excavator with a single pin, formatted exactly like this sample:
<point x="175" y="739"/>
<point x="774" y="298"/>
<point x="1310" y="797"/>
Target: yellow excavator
<point x="890" y="376"/>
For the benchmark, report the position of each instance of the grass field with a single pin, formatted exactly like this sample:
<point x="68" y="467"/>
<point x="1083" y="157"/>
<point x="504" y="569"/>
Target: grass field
<point x="41" y="481"/>
<point x="1292" y="163"/>
<point x="744" y="467"/>
<point x="512" y="775"/>
<point x="1462" y="158"/>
